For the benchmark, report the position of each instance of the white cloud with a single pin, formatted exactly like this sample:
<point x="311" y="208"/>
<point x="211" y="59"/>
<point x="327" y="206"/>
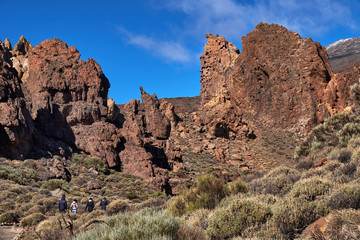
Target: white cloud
<point x="233" y="19"/>
<point x="169" y="50"/>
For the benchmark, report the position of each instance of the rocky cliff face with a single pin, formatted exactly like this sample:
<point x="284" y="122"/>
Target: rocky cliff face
<point x="16" y="125"/>
<point x="50" y="100"/>
<point x="279" y="79"/>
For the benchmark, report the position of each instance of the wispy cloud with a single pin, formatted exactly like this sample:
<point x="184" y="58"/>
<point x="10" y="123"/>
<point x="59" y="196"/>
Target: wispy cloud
<point x="234" y="19"/>
<point x="169" y="50"/>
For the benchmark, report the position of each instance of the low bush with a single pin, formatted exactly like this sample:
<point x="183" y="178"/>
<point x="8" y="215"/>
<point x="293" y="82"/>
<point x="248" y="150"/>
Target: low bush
<point x="346" y="196"/>
<point x="343" y="225"/>
<point x="345" y="156"/>
<point x="234" y="219"/>
<point x="207" y="194"/>
<point x="146" y="224"/>
<point x="53" y="184"/>
<point x="344" y="173"/>
<point x="22" y="176"/>
<point x="189" y="232"/>
<point x="117" y="206"/>
<point x="310" y="189"/>
<point x="349" y="131"/>
<point x="32" y="219"/>
<point x="91" y="162"/>
<point x="292" y="216"/>
<point x="238" y="186"/>
<point x="9" y="217"/>
<point x="277" y="182"/>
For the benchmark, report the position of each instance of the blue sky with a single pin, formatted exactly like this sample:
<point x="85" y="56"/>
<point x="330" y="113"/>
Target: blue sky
<point x="157" y="43"/>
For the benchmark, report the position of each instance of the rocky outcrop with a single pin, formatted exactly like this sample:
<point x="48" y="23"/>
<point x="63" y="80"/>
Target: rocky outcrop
<point x="279" y="79"/>
<point x="16" y="125"/>
<point x="147" y="151"/>
<point x="218" y="115"/>
<point x="217" y="60"/>
<point x="52" y="98"/>
<point x="20" y="59"/>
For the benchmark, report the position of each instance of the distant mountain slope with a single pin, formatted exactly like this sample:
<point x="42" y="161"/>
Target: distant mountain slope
<point x="343" y="53"/>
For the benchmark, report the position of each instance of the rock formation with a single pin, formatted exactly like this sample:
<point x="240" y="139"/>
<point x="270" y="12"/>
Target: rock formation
<point x="279" y="79"/>
<point x="16" y="125"/>
<point x="51" y="100"/>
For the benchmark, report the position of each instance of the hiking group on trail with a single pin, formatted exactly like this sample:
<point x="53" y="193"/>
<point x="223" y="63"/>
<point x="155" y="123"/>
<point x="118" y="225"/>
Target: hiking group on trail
<point x="90" y="205"/>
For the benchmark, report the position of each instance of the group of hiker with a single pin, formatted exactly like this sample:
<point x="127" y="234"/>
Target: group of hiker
<point x="90" y="205"/>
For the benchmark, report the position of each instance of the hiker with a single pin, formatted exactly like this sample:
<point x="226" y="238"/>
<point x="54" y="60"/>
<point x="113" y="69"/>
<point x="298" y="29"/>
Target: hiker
<point x="62" y="204"/>
<point x="103" y="204"/>
<point x="74" y="206"/>
<point x="90" y="205"/>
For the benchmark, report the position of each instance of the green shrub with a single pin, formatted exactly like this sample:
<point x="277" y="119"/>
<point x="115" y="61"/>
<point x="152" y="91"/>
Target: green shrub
<point x="240" y="214"/>
<point x="117" y="206"/>
<point x="344" y="173"/>
<point x="345" y="156"/>
<point x="343" y="225"/>
<point x="32" y="219"/>
<point x="349" y="131"/>
<point x="277" y="182"/>
<point x="55" y="184"/>
<point x="207" y="194"/>
<point x="176" y="206"/>
<point x="22" y="176"/>
<point x="238" y="186"/>
<point x="346" y="196"/>
<point x="189" y="232"/>
<point x="292" y="216"/>
<point x="326" y="134"/>
<point x="146" y="224"/>
<point x="9" y="217"/>
<point x="310" y="189"/>
<point x="91" y="162"/>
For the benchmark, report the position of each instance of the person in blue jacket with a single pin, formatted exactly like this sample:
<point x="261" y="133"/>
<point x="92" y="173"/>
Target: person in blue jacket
<point x="62" y="204"/>
<point x="103" y="204"/>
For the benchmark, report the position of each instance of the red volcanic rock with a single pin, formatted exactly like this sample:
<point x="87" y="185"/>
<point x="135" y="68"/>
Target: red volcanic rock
<point x="99" y="139"/>
<point x="16" y="125"/>
<point x="279" y="79"/>
<point x="147" y="152"/>
<point x="156" y="123"/>
<point x="93" y="185"/>
<point x="59" y="170"/>
<point x="218" y="58"/>
<point x="57" y="80"/>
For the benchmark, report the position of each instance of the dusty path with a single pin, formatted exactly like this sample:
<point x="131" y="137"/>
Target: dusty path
<point x="9" y="232"/>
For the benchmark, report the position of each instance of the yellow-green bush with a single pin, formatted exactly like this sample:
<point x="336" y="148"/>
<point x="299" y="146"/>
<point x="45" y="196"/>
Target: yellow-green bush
<point x="277" y="182"/>
<point x="346" y="196"/>
<point x="117" y="206"/>
<point x="234" y="219"/>
<point x="21" y="176"/>
<point x="310" y="189"/>
<point x="9" y="217"/>
<point x="146" y="224"/>
<point x="32" y="219"/>
<point x="55" y="184"/>
<point x="343" y="225"/>
<point x="207" y="194"/>
<point x="292" y="215"/>
<point x="238" y="186"/>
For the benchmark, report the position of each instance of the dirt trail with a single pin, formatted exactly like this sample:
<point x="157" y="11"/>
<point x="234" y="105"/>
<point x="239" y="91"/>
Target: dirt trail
<point x="9" y="232"/>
